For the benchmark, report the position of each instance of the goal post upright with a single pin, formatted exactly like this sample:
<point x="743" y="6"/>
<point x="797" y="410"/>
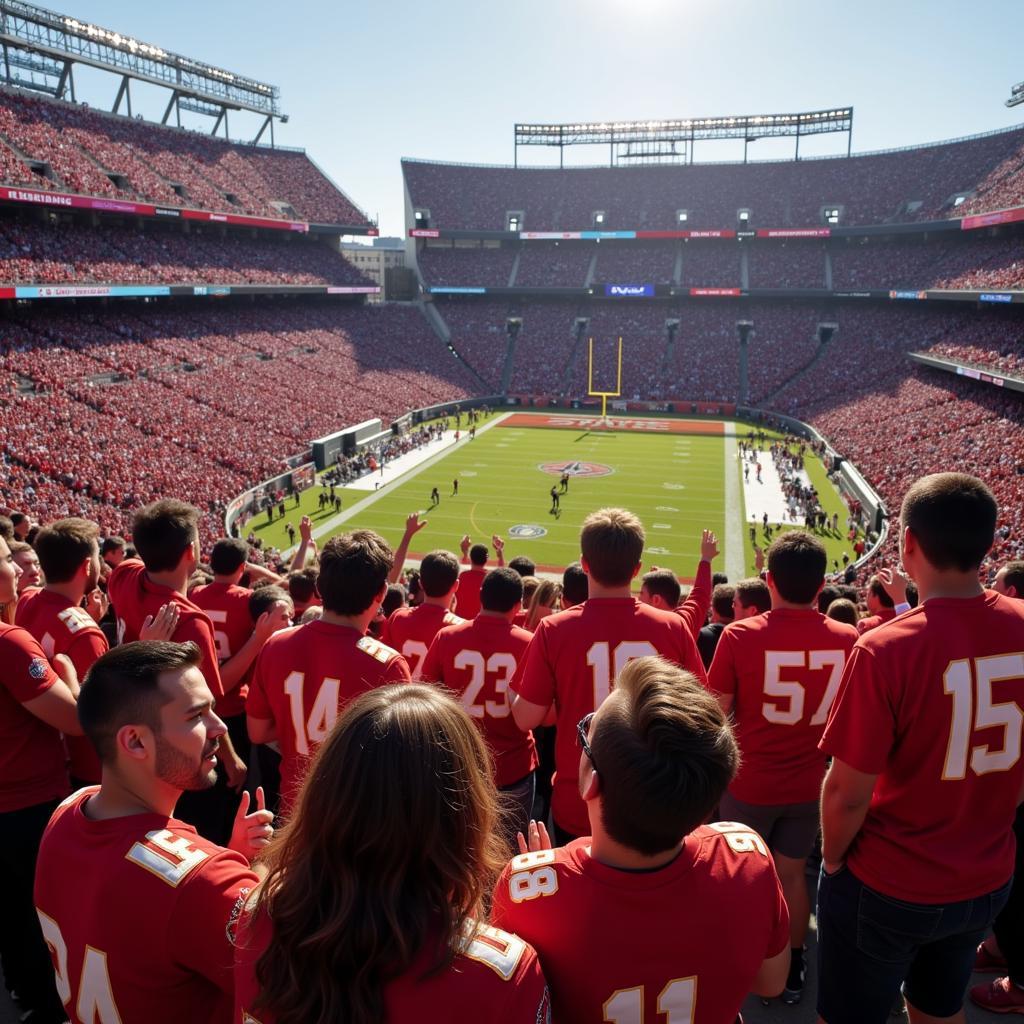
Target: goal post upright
<point x="604" y="395"/>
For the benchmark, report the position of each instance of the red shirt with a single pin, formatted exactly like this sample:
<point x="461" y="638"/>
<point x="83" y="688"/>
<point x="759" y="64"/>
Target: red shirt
<point x="572" y="662"/>
<point x="932" y="705"/>
<point x="874" y="621"/>
<point x="149" y="938"/>
<point x="694" y="610"/>
<point x="304" y="677"/>
<point x="411" y="631"/>
<point x="782" y="670"/>
<point x="684" y="942"/>
<point x="135" y="596"/>
<point x="32" y="759"/>
<point x="478" y="660"/>
<point x="227" y="607"/>
<point x="61" y="627"/>
<point x="496" y="979"/>
<point x="467" y="597"/>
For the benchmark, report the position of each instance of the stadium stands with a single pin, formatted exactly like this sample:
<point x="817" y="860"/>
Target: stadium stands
<point x="476" y="265"/>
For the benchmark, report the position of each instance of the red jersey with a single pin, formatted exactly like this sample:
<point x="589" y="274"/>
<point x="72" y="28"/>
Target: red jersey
<point x="227" y="607"/>
<point x="478" y="660"/>
<point x="874" y="621"/>
<point x="61" y="627"/>
<point x="694" y="610"/>
<point x="135" y="596"/>
<point x="411" y="631"/>
<point x="467" y="597"/>
<point x="149" y="938"/>
<point x="683" y="943"/>
<point x="304" y="677"/>
<point x="572" y="662"/>
<point x="782" y="670"/>
<point x="32" y="760"/>
<point x="933" y="704"/>
<point x="496" y="979"/>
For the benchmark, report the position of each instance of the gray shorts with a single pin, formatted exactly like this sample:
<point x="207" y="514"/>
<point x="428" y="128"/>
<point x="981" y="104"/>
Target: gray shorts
<point x="789" y="829"/>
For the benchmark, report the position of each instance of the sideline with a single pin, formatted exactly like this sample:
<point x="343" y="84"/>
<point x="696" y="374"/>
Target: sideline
<point x="735" y="515"/>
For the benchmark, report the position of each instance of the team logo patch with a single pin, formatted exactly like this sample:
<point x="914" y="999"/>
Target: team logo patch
<point x="527" y="531"/>
<point x="37" y="668"/>
<point x="575" y="468"/>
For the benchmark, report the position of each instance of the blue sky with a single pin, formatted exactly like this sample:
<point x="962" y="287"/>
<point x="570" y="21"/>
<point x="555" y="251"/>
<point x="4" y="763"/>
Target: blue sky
<point x="368" y="83"/>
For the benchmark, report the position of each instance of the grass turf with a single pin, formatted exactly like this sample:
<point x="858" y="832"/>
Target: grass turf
<point x="674" y="483"/>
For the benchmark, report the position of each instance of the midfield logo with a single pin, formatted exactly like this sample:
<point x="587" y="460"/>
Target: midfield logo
<point x="575" y="468"/>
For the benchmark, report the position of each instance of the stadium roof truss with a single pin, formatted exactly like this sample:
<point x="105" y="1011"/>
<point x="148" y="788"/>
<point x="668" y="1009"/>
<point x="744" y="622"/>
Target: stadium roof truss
<point x="645" y="142"/>
<point x="41" y="47"/>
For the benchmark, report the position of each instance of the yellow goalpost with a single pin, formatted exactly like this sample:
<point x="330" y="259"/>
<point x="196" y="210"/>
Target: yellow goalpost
<point x="604" y="395"/>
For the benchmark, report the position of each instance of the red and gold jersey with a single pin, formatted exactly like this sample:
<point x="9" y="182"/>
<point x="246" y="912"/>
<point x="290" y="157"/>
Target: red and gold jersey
<point x="227" y="607"/>
<point x="411" y="631"/>
<point x="62" y="627"/>
<point x="477" y="660"/>
<point x="572" y="662"/>
<point x="933" y="704"/>
<point x="304" y="677"/>
<point x="149" y="938"/>
<point x="782" y="670"/>
<point x="467" y="597"/>
<point x="495" y="979"/>
<point x="682" y="943"/>
<point x="33" y="766"/>
<point x="134" y="597"/>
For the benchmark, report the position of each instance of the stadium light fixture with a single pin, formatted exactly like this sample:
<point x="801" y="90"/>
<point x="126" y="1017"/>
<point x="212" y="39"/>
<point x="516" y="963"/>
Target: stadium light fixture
<point x="1016" y="95"/>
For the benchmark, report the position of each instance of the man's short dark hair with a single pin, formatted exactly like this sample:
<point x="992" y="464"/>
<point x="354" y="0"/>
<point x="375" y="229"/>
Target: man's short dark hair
<point x="123" y="688"/>
<point x="665" y="754"/>
<point x="393" y="599"/>
<point x="848" y="592"/>
<point x="843" y="610"/>
<point x="797" y="561"/>
<point x="163" y="531"/>
<point x="953" y="518"/>
<point x="112" y="544"/>
<point x="523" y="565"/>
<point x="754" y="592"/>
<point x="721" y="600"/>
<point x="439" y="572"/>
<point x="612" y="543"/>
<point x="478" y="555"/>
<point x="718" y="578"/>
<point x="302" y="585"/>
<point x="826" y="596"/>
<point x="663" y="583"/>
<point x="229" y="554"/>
<point x="575" y="585"/>
<point x="17" y="518"/>
<point x="353" y="570"/>
<point x="1013" y="576"/>
<point x="62" y="546"/>
<point x="501" y="590"/>
<point x="262" y="599"/>
<point x="875" y="587"/>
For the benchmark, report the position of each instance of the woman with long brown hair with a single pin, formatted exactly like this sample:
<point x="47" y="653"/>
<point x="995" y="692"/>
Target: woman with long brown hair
<point x="368" y="913"/>
<point x="544" y="601"/>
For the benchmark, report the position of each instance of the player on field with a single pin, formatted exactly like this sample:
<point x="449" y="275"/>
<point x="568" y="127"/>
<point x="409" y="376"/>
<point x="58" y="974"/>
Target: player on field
<point x="654" y="916"/>
<point x="926" y="775"/>
<point x="467" y="600"/>
<point x="575" y="655"/>
<point x="137" y="908"/>
<point x="305" y="675"/>
<point x="777" y="674"/>
<point x="410" y="631"/>
<point x="477" y="660"/>
<point x="36" y="706"/>
<point x="554" y="499"/>
<point x="401" y="805"/>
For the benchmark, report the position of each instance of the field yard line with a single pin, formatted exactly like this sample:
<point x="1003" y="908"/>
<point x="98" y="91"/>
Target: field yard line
<point x="734" y="514"/>
<point x="374" y="496"/>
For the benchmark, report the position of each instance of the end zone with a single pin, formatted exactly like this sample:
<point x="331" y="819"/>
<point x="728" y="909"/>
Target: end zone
<point x="642" y="424"/>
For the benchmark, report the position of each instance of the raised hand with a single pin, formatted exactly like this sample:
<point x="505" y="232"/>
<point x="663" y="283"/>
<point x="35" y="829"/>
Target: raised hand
<point x="464" y="545"/>
<point x="272" y="620"/>
<point x="251" y="832"/>
<point x="498" y="542"/>
<point x="413" y="524"/>
<point x="538" y="838"/>
<point x="708" y="546"/>
<point x="894" y="582"/>
<point x="96" y="604"/>
<point x="306" y="529"/>
<point x="162" y="625"/>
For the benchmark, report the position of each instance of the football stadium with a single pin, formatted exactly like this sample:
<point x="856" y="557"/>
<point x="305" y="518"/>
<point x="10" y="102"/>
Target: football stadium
<point x="600" y="599"/>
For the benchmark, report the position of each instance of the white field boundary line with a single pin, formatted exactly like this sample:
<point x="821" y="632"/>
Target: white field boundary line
<point x="373" y="497"/>
<point x="735" y="515"/>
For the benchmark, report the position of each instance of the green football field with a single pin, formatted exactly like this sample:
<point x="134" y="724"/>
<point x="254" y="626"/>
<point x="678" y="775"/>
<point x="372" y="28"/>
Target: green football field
<point x="675" y="483"/>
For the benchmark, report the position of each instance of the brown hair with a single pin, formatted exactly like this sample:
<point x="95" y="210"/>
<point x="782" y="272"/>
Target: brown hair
<point x="843" y="610"/>
<point x="953" y="517"/>
<point x="360" y="883"/>
<point x="754" y="591"/>
<point x="665" y="754"/>
<point x="663" y="583"/>
<point x="721" y="600"/>
<point x="63" y="546"/>
<point x="546" y="595"/>
<point x="439" y="571"/>
<point x="797" y="562"/>
<point x="612" y="544"/>
<point x="163" y="531"/>
<point x="353" y="569"/>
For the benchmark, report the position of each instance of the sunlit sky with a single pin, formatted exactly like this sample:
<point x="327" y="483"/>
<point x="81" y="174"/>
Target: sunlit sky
<point x="365" y="84"/>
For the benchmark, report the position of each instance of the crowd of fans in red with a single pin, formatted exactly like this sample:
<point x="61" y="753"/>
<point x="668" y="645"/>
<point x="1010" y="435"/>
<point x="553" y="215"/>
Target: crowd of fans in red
<point x="86" y="151"/>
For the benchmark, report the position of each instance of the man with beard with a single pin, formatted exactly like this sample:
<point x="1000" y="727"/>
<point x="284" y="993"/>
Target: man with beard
<point x="149" y="936"/>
